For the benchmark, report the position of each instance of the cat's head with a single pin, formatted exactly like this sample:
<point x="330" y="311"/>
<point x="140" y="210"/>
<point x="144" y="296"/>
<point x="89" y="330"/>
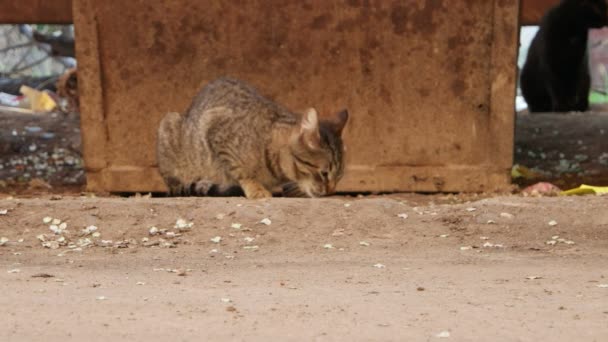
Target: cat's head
<point x="593" y="12"/>
<point x="318" y="153"/>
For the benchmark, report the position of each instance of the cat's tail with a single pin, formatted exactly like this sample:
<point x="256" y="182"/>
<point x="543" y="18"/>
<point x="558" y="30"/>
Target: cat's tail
<point x="205" y="188"/>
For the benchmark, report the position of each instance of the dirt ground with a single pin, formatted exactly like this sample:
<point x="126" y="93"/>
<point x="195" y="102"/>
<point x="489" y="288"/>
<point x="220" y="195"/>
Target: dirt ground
<point x="455" y="267"/>
<point x="337" y="269"/>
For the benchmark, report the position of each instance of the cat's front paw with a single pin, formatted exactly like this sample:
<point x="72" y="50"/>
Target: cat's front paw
<point x="258" y="194"/>
<point x="254" y="190"/>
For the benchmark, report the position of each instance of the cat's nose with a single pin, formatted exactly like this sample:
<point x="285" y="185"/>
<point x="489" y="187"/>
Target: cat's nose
<point x="331" y="187"/>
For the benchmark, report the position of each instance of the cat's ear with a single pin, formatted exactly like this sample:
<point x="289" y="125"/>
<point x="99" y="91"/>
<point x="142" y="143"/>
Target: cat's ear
<point x="339" y="121"/>
<point x="309" y="129"/>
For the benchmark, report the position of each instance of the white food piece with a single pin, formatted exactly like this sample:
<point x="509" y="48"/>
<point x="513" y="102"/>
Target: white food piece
<point x="153" y="231"/>
<point x="182" y="224"/>
<point x="236" y="225"/>
<point x="443" y="334"/>
<point x="55" y="229"/>
<point x="3" y="211"/>
<point x="507" y="215"/>
<point x="552" y="223"/>
<point x="56" y="221"/>
<point x="403" y="216"/>
<point x="364" y="243"/>
<point x="266" y="221"/>
<point x="3" y="240"/>
<point x="328" y="246"/>
<point x="471" y="209"/>
<point x="533" y="277"/>
<point x="216" y="239"/>
<point x="47" y="220"/>
<point x="379" y="265"/>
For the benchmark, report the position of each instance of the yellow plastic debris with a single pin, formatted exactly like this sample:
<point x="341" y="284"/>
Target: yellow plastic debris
<point x="586" y="190"/>
<point x="39" y="101"/>
<point x="520" y="171"/>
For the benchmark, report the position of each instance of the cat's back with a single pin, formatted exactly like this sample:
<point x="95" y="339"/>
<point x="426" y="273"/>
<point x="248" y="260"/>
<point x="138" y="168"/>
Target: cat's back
<point x="232" y="94"/>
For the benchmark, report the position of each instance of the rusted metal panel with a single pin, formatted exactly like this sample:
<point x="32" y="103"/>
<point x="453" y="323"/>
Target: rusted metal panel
<point x="532" y="11"/>
<point x="429" y="83"/>
<point x="36" y="11"/>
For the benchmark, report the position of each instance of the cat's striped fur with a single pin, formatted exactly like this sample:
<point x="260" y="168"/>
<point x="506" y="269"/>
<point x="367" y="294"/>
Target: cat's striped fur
<point x="233" y="140"/>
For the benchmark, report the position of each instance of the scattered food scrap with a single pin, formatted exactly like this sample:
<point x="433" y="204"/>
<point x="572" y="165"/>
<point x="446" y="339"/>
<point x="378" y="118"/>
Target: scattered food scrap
<point x="443" y="334"/>
<point x="182" y="225"/>
<point x="507" y="215"/>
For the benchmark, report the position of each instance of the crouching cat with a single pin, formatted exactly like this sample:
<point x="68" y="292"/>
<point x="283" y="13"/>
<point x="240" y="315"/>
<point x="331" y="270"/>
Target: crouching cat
<point x="232" y="139"/>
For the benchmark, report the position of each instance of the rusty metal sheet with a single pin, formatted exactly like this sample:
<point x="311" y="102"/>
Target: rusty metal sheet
<point x="532" y="11"/>
<point x="429" y="83"/>
<point x="36" y="11"/>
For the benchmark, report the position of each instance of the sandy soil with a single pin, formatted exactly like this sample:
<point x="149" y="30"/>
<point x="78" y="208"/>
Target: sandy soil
<point x="385" y="277"/>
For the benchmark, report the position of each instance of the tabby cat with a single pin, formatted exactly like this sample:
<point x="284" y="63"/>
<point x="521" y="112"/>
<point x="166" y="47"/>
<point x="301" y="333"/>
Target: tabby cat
<point x="233" y="140"/>
<point x="555" y="77"/>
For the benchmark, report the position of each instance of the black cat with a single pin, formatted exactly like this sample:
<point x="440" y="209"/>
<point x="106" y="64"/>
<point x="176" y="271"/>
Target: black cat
<point x="555" y="77"/>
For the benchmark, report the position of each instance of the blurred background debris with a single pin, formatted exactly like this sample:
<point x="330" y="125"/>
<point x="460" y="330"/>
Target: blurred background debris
<point x="39" y="118"/>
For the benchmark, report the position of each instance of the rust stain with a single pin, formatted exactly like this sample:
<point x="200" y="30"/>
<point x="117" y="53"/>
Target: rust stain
<point x="460" y="41"/>
<point x="424" y="92"/>
<point x="365" y="57"/>
<point x="458" y="87"/>
<point x="321" y="22"/>
<point x="385" y="94"/>
<point x="159" y="42"/>
<point x="399" y="17"/>
<point x="423" y="18"/>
